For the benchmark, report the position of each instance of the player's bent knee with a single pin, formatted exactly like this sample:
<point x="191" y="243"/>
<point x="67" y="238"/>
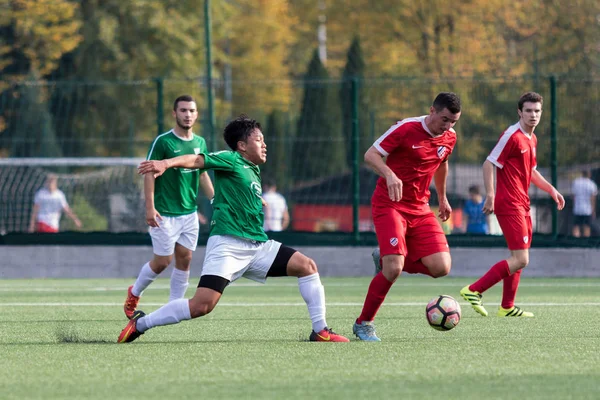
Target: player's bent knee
<point x="160" y="263"/>
<point x="391" y="272"/>
<point x="209" y="291"/>
<point x="203" y="303"/>
<point x="440" y="270"/>
<point x="392" y="267"/>
<point x="522" y="262"/>
<point x="439" y="264"/>
<point x="183" y="259"/>
<point x="183" y="264"/>
<point x="187" y="259"/>
<point x="308" y="267"/>
<point x="311" y="267"/>
<point x="199" y="309"/>
<point x="300" y="265"/>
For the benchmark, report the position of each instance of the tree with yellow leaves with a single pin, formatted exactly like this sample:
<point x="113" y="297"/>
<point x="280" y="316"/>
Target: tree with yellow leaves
<point x="36" y="34"/>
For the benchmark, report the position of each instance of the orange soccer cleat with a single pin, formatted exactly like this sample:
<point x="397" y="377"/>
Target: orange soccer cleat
<point x="130" y="332"/>
<point x="131" y="303"/>
<point x="327" y="335"/>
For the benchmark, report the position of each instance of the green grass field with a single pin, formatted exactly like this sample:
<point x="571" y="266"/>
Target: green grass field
<point x="58" y="341"/>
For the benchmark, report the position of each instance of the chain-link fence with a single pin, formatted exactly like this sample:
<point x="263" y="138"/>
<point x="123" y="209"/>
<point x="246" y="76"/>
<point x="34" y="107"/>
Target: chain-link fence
<point x="308" y="129"/>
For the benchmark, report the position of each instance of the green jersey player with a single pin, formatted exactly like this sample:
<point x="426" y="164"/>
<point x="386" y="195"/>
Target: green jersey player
<point x="237" y="246"/>
<point x="171" y="211"/>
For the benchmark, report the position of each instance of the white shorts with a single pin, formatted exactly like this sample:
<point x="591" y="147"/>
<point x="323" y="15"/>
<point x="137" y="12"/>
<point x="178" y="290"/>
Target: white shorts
<point x="231" y="258"/>
<point x="182" y="229"/>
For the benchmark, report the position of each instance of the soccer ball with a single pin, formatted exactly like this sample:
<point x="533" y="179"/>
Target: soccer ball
<point x="443" y="313"/>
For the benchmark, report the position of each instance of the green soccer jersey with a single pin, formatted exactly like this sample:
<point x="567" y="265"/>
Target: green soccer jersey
<point x="237" y="208"/>
<point x="176" y="190"/>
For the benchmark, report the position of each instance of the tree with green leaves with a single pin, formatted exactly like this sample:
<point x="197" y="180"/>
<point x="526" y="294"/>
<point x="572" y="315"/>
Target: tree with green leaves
<point x="31" y="128"/>
<point x="277" y="137"/>
<point x="354" y="71"/>
<point x="319" y="147"/>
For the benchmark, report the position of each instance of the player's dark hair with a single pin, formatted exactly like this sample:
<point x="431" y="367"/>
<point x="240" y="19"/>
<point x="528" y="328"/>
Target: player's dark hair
<point x="185" y="97"/>
<point x="530" y="97"/>
<point x="586" y="173"/>
<point x="474" y="189"/>
<point x="268" y="182"/>
<point x="448" y="100"/>
<point x="239" y="130"/>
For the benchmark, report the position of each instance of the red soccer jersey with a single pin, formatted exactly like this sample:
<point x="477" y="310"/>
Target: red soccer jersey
<point x="414" y="154"/>
<point x="514" y="156"/>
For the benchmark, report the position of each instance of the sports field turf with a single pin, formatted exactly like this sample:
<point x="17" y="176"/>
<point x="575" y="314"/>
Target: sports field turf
<point x="58" y="341"/>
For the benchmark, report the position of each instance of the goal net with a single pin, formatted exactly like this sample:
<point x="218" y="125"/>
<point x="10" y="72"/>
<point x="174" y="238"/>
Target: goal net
<point x="105" y="193"/>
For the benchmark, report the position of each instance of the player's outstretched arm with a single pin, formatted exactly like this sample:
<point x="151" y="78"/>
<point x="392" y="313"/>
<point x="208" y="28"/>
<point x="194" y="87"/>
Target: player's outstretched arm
<point x="488" y="182"/>
<point x="153" y="217"/>
<point x="538" y="180"/>
<point x="158" y="167"/>
<point x="207" y="186"/>
<point x="374" y="160"/>
<point x="439" y="178"/>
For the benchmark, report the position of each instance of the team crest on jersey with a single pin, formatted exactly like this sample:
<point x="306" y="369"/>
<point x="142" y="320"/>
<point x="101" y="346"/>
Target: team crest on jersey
<point x="256" y="188"/>
<point x="196" y="150"/>
<point x="441" y="151"/>
<point x="525" y="239"/>
<point x="394" y="241"/>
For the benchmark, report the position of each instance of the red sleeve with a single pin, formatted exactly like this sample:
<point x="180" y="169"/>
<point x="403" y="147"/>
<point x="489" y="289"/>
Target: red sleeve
<point x="534" y="166"/>
<point x="392" y="139"/>
<point x="502" y="150"/>
<point x="450" y="148"/>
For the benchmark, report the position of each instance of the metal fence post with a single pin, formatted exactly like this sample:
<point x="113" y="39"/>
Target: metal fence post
<point x="553" y="147"/>
<point x="209" y="83"/>
<point x="355" y="164"/>
<point x="160" y="117"/>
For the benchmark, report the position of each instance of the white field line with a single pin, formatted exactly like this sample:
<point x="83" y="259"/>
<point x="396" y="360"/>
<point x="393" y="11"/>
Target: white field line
<point x="299" y="304"/>
<point x="105" y="288"/>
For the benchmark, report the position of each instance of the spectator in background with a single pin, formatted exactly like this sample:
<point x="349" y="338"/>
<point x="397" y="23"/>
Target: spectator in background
<point x="48" y="205"/>
<point x="585" y="191"/>
<point x="277" y="216"/>
<point x="475" y="220"/>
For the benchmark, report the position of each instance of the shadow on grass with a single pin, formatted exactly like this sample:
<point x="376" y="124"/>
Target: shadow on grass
<point x="85" y="341"/>
<point x="67" y="333"/>
<point x="76" y="339"/>
<point x="70" y="320"/>
<point x="80" y="341"/>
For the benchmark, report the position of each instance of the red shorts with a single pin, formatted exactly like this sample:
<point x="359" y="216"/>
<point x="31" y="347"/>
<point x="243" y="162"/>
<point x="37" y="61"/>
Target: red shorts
<point x="414" y="236"/>
<point x="45" y="228"/>
<point x="517" y="230"/>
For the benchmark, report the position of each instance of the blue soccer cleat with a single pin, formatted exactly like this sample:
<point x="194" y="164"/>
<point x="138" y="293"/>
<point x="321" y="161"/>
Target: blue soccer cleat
<point x="365" y="331"/>
<point x="376" y="254"/>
